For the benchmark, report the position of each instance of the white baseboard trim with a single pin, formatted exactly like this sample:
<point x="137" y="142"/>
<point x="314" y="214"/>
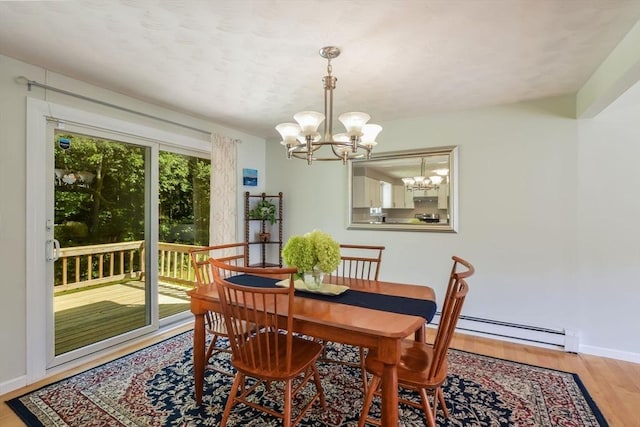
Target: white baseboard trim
<point x="13" y="384"/>
<point x="563" y="340"/>
<point x="627" y="356"/>
<point x="510" y="339"/>
<point x="511" y="332"/>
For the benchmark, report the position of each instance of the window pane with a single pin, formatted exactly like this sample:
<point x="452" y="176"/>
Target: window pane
<point x="183" y="195"/>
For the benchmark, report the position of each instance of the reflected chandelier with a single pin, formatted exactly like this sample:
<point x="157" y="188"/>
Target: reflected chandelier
<point x="302" y="140"/>
<point x="421" y="182"/>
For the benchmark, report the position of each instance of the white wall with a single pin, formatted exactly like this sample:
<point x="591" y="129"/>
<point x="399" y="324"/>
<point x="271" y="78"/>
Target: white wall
<point x="548" y="250"/>
<point x="13" y="184"/>
<point x="609" y="229"/>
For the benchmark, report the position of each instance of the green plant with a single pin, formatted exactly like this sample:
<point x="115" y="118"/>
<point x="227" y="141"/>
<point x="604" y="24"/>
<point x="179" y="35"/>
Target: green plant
<point x="264" y="210"/>
<point x="315" y="249"/>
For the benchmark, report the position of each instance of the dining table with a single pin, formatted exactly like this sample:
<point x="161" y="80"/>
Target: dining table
<point x="370" y="313"/>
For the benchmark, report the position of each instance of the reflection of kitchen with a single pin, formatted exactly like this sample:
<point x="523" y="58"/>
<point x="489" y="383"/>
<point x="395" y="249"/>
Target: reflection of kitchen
<point x="380" y="198"/>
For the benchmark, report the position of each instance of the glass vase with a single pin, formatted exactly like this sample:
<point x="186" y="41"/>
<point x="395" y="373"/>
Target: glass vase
<point x="313" y="278"/>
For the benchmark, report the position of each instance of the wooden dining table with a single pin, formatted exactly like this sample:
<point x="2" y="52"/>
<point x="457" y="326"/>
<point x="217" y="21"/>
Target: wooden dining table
<point x="332" y="321"/>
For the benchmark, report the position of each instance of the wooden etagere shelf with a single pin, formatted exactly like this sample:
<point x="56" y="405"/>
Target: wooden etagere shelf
<point x="251" y="232"/>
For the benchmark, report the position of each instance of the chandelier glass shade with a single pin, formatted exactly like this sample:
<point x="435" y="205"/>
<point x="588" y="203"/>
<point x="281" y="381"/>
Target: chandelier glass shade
<point x="303" y="141"/>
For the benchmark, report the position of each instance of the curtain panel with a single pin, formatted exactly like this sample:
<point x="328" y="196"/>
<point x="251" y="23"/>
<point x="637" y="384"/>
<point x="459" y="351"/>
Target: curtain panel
<point x="223" y="213"/>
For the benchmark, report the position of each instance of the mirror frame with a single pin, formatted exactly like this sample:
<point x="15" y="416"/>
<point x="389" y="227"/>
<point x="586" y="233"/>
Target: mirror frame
<point x="451" y="227"/>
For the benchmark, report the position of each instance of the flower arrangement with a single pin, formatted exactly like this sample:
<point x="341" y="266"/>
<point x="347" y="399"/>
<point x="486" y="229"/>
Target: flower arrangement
<point x="314" y="250"/>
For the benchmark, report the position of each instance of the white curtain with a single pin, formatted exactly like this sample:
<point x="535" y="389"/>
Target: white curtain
<point x="224" y="216"/>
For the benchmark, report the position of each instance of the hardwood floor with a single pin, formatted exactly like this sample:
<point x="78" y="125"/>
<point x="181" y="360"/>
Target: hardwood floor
<point x="614" y="385"/>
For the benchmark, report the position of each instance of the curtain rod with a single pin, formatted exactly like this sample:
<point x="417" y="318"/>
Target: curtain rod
<point x="29" y="83"/>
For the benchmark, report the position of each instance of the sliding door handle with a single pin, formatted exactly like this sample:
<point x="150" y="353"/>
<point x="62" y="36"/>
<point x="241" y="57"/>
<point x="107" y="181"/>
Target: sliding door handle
<point x="53" y="250"/>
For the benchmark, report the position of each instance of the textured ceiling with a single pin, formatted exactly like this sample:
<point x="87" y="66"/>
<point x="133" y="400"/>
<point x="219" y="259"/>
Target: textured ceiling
<point x="252" y="64"/>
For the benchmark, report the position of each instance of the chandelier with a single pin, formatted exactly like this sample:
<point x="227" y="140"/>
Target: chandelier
<point x="421" y="182"/>
<point x="303" y="141"/>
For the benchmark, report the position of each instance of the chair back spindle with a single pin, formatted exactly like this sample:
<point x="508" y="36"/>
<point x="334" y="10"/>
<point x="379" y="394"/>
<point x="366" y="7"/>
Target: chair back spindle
<point x="358" y="262"/>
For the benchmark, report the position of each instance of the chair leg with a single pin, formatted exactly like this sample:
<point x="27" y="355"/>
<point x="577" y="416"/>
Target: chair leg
<point x="235" y="389"/>
<point x="442" y="403"/>
<point x="316" y="379"/>
<point x="434" y="408"/>
<point x="286" y="421"/>
<point x="366" y="405"/>
<point x="363" y="371"/>
<point x="211" y="348"/>
<point x="431" y="422"/>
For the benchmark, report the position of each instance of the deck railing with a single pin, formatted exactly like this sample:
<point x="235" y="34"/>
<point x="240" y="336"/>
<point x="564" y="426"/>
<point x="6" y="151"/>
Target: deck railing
<point x="174" y="264"/>
<point x="82" y="266"/>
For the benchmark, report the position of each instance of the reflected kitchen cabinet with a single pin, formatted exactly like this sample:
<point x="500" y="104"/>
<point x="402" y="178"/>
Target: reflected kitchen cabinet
<point x="369" y="192"/>
<point x="408" y="199"/>
<point x="402" y="198"/>
<point x="398" y="196"/>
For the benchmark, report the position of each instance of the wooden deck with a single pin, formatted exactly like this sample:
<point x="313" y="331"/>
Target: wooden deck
<point x="88" y="316"/>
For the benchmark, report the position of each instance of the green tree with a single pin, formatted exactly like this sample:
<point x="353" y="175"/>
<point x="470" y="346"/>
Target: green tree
<point x="100" y="193"/>
<point x="102" y="186"/>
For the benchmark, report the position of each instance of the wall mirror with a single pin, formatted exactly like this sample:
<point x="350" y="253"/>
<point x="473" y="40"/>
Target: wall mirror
<point x="405" y="191"/>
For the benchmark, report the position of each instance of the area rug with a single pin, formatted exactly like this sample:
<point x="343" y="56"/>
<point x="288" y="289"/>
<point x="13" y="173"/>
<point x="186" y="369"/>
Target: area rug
<point x="154" y="387"/>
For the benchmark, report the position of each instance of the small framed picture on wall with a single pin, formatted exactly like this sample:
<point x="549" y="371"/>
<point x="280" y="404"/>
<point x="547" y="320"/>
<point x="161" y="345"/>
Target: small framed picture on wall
<point x="250" y="177"/>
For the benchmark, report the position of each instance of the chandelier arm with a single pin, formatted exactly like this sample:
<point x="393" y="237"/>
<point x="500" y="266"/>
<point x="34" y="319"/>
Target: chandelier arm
<point x="366" y="148"/>
<point x="303" y="156"/>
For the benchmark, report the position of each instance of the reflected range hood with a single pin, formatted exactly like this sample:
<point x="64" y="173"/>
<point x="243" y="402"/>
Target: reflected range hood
<point x="424" y="195"/>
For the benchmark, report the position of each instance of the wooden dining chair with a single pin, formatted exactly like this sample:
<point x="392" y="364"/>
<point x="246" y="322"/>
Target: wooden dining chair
<point x="230" y="253"/>
<point x="423" y="367"/>
<point x="356" y="262"/>
<point x="269" y="353"/>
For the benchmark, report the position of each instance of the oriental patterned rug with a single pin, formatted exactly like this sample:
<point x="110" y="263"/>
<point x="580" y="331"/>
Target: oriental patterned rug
<point x="154" y="387"/>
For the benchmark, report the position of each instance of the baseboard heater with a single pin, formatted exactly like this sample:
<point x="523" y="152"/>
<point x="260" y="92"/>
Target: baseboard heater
<point x="564" y="339"/>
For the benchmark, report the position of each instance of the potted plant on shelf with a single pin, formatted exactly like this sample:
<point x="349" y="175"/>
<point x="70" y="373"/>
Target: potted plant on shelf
<point x="313" y="254"/>
<point x="264" y="210"/>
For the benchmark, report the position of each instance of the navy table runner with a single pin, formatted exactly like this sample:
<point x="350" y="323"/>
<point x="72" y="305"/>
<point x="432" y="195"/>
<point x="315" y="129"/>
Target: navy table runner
<point x="391" y="303"/>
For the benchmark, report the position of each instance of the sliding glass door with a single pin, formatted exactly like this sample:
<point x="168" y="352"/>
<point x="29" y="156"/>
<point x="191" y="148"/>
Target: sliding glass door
<point x="123" y="215"/>
<point x="98" y="230"/>
<point x="183" y="213"/>
<point x="111" y="207"/>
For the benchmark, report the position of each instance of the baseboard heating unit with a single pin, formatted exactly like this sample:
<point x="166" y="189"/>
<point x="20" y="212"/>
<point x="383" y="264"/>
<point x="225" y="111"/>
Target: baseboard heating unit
<point x="563" y="339"/>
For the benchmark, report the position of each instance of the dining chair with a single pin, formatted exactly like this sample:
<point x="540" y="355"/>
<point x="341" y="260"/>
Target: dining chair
<point x="269" y="353"/>
<point x="356" y="262"/>
<point x="230" y="253"/>
<point x="423" y="367"/>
